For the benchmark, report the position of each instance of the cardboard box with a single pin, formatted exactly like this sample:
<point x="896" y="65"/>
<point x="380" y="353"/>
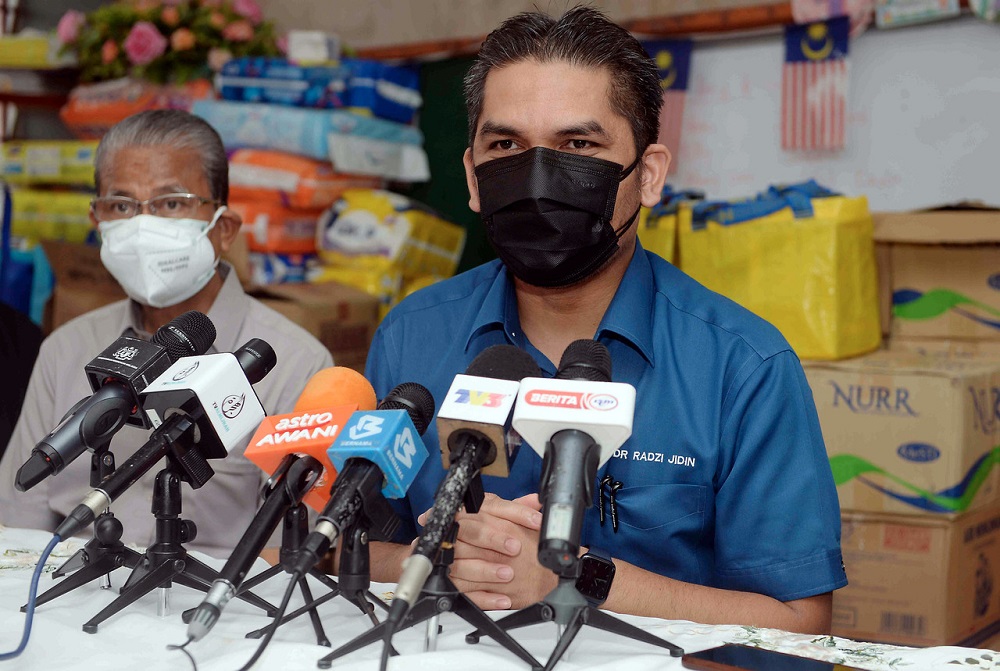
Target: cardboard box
<point x="943" y="271"/>
<point x="988" y="350"/>
<point x="82" y="283"/>
<point x="344" y="319"/>
<point x="920" y="581"/>
<point x="910" y="434"/>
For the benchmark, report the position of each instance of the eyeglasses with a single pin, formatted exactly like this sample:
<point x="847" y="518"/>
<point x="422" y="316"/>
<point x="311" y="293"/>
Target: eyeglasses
<point x="170" y="205"/>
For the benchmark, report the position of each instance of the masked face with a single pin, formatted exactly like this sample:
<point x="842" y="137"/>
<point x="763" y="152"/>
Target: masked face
<point x="548" y="213"/>
<point x="159" y="261"/>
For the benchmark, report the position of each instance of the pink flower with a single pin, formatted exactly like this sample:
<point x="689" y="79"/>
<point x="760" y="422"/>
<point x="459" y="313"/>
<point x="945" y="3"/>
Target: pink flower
<point x="69" y="26"/>
<point x="217" y="20"/>
<point x="144" y="43"/>
<point x="218" y="57"/>
<point x="248" y="9"/>
<point x="238" y="31"/>
<point x="182" y="39"/>
<point x="109" y="52"/>
<point x="282" y="44"/>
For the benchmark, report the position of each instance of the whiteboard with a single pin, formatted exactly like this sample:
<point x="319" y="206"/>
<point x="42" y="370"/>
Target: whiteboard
<point x="923" y="122"/>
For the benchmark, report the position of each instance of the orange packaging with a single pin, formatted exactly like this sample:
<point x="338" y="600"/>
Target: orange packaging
<point x="271" y="227"/>
<point x="92" y="109"/>
<point x="289" y="179"/>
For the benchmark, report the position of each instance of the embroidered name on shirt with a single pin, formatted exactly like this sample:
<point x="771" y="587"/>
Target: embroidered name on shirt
<point x="656" y="457"/>
<point x="680" y="460"/>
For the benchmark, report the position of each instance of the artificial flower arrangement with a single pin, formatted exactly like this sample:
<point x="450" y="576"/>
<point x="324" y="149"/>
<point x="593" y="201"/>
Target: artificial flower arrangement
<point x="165" y="41"/>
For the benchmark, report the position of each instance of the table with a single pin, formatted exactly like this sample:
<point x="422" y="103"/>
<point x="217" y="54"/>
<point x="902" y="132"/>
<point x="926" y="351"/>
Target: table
<point x="137" y="638"/>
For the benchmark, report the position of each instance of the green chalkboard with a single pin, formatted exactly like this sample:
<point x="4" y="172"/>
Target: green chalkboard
<point x="444" y="124"/>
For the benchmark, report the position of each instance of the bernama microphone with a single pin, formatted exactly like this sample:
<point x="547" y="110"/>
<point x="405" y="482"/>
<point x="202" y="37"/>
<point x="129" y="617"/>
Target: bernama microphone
<point x="377" y="456"/>
<point x="202" y="407"/>
<point x="575" y="421"/>
<point x="293" y="449"/>
<point x="473" y="421"/>
<point x="118" y="376"/>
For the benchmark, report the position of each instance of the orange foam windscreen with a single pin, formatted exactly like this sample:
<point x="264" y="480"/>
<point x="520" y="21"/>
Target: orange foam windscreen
<point x="327" y="402"/>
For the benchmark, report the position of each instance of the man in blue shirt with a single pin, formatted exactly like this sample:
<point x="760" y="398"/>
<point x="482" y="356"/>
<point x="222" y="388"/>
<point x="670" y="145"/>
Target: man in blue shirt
<point x="721" y="507"/>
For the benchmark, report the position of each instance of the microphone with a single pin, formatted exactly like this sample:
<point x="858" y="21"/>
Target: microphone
<point x="323" y="408"/>
<point x="201" y="407"/>
<point x="296" y="476"/>
<point x="581" y="418"/>
<point x="118" y="376"/>
<point x="377" y="456"/>
<point x="293" y="447"/>
<point x="479" y="403"/>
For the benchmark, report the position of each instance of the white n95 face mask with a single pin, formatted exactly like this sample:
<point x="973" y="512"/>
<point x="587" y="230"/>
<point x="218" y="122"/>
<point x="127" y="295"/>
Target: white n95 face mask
<point x="159" y="261"/>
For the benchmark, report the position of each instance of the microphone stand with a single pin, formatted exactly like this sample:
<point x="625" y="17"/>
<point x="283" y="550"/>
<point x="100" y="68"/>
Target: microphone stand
<point x="166" y="560"/>
<point x="439" y="595"/>
<point x="353" y="553"/>
<point x="103" y="553"/>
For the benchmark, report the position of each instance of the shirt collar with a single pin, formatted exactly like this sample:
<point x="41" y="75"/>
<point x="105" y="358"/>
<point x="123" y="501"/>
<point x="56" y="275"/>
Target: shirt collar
<point x="226" y="313"/>
<point x="628" y="317"/>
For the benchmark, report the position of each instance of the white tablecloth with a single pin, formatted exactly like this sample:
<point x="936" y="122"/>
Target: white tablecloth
<point x="136" y="638"/>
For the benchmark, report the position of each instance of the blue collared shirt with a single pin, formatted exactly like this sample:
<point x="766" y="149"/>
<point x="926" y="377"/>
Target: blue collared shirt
<point x="725" y="480"/>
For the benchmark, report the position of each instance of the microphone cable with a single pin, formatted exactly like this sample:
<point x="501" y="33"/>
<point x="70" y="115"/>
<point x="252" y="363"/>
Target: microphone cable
<point x="32" y="597"/>
<point x="275" y="624"/>
<point x="183" y="648"/>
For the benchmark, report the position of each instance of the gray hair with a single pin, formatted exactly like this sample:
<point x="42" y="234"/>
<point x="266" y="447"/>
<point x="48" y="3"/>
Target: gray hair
<point x="175" y="129"/>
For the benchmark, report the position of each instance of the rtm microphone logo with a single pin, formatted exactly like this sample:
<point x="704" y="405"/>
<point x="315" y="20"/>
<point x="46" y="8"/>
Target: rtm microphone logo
<point x="483" y="399"/>
<point x="571" y="399"/>
<point x="126" y="353"/>
<point x="404" y="448"/>
<point x="367" y="426"/>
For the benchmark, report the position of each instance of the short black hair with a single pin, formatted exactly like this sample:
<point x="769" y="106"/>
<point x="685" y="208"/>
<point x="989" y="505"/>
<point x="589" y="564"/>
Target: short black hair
<point x="582" y="36"/>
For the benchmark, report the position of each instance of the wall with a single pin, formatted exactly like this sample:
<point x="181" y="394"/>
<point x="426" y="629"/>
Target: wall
<point x="390" y="22"/>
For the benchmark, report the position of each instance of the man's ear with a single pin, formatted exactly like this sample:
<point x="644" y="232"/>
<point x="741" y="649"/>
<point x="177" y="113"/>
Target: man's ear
<point x="655" y="161"/>
<point x="228" y="226"/>
<point x="470" y="180"/>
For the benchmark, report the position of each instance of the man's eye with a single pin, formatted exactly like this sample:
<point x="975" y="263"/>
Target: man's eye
<point x="504" y="144"/>
<point x="171" y="204"/>
<point x="120" y="207"/>
<point x="580" y="144"/>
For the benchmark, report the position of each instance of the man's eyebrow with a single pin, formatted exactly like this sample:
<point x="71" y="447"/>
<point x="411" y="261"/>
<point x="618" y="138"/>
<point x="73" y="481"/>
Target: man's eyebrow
<point x="492" y="128"/>
<point x="585" y="128"/>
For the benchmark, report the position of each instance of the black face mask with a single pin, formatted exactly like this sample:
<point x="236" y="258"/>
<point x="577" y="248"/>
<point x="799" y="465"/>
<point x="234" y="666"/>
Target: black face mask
<point x="548" y="213"/>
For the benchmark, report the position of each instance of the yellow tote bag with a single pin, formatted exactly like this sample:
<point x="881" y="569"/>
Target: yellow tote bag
<point x="801" y="257"/>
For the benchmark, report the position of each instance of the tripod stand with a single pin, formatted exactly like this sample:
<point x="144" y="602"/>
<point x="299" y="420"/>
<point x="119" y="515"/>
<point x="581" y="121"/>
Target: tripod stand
<point x="296" y="527"/>
<point x="166" y="560"/>
<point x="103" y="553"/>
<point x="567" y="607"/>
<point x="439" y="595"/>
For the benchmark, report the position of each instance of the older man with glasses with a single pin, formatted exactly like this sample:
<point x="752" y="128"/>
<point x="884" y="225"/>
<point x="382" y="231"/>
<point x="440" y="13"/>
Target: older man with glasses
<point x="163" y="182"/>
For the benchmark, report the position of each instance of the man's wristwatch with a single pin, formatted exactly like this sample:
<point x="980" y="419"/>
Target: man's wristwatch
<point x="597" y="572"/>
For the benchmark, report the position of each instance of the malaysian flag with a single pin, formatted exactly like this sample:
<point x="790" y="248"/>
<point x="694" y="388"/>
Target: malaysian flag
<point x="673" y="60"/>
<point x="814" y="85"/>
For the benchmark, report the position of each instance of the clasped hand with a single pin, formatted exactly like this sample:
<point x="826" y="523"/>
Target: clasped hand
<point x="496" y="563"/>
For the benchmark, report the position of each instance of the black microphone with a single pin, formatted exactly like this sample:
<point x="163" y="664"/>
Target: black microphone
<point x="575" y="421"/>
<point x="118" y="376"/>
<point x="377" y="458"/>
<point x="470" y="446"/>
<point x="294" y="477"/>
<point x="202" y="407"/>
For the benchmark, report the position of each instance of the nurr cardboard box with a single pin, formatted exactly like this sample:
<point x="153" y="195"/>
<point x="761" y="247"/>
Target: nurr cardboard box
<point x="939" y="272"/>
<point x="910" y="434"/>
<point x="919" y="580"/>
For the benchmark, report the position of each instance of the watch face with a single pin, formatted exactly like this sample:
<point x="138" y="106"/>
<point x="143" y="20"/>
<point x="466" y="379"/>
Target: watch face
<point x="595" y="577"/>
